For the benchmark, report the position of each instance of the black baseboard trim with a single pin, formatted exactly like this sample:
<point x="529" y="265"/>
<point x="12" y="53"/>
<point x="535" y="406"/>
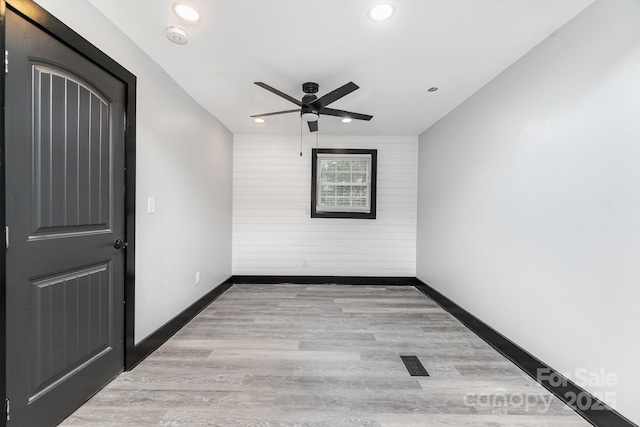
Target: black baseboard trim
<point x="584" y="403"/>
<point x="311" y="280"/>
<point x="150" y="344"/>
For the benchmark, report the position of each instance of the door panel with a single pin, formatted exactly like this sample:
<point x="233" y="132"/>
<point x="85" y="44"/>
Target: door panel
<point x="73" y="323"/>
<point x="72" y="154"/>
<point x="65" y="208"/>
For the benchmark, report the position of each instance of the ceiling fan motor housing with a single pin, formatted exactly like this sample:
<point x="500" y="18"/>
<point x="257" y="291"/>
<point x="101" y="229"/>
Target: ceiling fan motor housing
<point x="307" y="100"/>
<point x="310" y="87"/>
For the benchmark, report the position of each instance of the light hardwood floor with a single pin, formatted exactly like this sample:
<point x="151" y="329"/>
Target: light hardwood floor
<point x="324" y="355"/>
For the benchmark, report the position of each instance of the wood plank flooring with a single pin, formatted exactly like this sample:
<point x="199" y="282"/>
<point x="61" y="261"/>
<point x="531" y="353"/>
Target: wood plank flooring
<point x="324" y="355"/>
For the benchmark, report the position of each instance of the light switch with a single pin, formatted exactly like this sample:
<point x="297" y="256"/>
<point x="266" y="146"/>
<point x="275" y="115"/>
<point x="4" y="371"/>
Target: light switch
<point x="151" y="205"/>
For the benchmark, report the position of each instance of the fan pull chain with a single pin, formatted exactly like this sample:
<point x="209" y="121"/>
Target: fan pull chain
<point x="300" y="136"/>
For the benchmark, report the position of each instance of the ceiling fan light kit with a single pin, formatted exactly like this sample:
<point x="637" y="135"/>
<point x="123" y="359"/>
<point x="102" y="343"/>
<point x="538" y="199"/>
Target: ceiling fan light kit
<point x="310" y="116"/>
<point x="311" y="107"/>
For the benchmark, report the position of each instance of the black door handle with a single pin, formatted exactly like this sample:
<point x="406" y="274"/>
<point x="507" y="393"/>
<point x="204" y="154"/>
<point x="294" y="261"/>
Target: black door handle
<point x="119" y="244"/>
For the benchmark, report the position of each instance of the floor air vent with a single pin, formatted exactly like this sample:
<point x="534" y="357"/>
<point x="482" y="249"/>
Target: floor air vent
<point x="414" y="366"/>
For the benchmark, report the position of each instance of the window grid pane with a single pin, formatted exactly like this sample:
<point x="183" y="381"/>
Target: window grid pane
<point x="343" y="184"/>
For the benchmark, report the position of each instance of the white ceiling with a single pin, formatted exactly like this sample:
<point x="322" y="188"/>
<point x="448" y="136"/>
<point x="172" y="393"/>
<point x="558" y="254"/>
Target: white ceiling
<point x="455" y="45"/>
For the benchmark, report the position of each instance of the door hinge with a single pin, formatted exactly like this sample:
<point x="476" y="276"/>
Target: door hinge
<point x="7" y="406"/>
<point x="6" y="237"/>
<point x="6" y="61"/>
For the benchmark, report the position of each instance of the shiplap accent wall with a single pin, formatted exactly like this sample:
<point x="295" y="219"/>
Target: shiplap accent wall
<point x="273" y="233"/>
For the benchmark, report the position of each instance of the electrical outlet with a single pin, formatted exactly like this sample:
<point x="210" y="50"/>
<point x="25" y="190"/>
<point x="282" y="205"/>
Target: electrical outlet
<point x="197" y="277"/>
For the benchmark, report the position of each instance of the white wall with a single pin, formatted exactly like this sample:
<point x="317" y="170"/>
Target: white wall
<point x="184" y="160"/>
<point x="273" y="233"/>
<point x="529" y="201"/>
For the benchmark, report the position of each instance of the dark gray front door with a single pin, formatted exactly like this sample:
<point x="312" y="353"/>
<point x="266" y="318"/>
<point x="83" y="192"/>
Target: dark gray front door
<point x="65" y="208"/>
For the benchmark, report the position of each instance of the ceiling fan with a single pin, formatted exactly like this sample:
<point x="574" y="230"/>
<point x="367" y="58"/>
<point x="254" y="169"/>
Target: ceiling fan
<point x="311" y="106"/>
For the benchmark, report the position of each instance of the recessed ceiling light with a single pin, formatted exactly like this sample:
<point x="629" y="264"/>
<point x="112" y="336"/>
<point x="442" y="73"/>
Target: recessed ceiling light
<point x="186" y="12"/>
<point x="259" y="120"/>
<point x="381" y="12"/>
<point x="347" y="120"/>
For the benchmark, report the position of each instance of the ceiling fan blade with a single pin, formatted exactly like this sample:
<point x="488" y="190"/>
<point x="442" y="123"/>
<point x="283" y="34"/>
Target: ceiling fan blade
<point x="342" y="113"/>
<point x="277" y="112"/>
<point x="334" y="96"/>
<point x="313" y="126"/>
<point x="277" y="92"/>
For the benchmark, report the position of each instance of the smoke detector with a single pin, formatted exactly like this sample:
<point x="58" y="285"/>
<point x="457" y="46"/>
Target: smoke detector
<point x="177" y="35"/>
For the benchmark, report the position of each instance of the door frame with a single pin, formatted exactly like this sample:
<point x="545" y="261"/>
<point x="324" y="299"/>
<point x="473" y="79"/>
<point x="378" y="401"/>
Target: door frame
<point x="34" y="13"/>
